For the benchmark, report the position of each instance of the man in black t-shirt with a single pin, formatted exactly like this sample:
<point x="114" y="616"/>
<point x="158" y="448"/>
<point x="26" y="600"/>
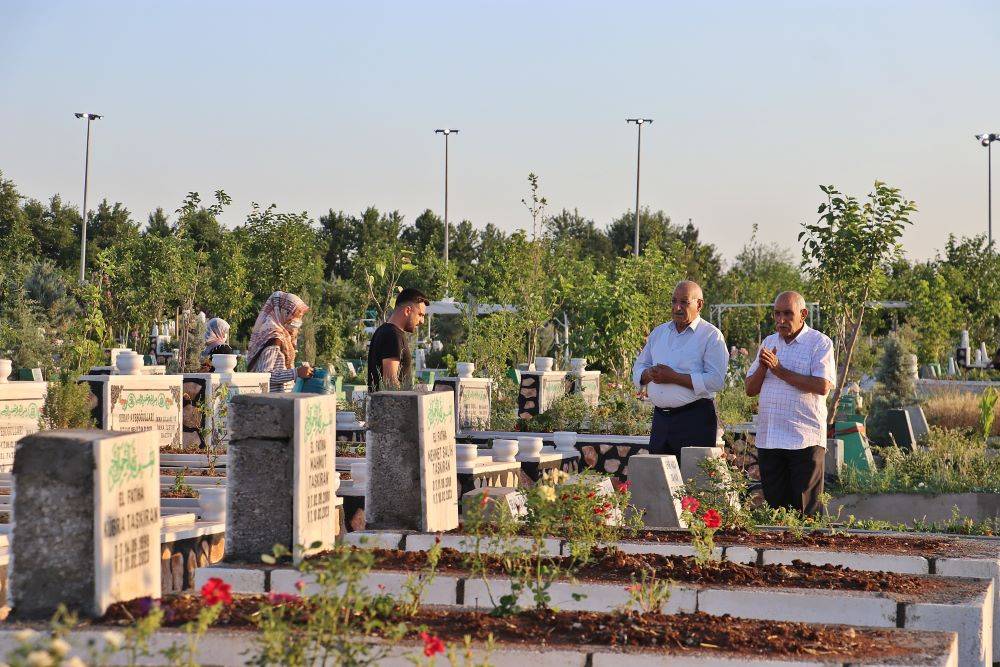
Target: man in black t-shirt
<point x="389" y="359"/>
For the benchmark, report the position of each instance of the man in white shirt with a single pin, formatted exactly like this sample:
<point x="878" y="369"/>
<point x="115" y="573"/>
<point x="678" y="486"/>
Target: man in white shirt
<point x="682" y="365"/>
<point x="793" y="372"/>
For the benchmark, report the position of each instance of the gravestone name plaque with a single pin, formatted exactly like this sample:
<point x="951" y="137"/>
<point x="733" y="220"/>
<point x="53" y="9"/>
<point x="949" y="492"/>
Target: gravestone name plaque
<point x="20" y="410"/>
<point x="315" y="486"/>
<point x="439" y="494"/>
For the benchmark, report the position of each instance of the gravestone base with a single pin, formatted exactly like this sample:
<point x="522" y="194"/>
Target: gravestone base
<point x="259" y="499"/>
<point x="655" y="480"/>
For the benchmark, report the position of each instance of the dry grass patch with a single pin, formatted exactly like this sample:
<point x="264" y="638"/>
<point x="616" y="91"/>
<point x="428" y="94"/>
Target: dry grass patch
<point x="956" y="410"/>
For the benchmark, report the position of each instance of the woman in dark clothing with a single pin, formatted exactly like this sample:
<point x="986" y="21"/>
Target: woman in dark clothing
<point x="216" y="342"/>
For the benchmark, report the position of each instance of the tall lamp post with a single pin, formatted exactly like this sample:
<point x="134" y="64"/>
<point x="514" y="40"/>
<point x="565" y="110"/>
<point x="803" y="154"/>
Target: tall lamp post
<point x="639" y="122"/>
<point x="446" y="133"/>
<point x="986" y="139"/>
<point x="86" y="174"/>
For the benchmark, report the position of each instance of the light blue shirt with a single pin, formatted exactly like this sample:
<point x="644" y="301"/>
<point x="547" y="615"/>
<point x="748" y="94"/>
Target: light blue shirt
<point x="699" y="351"/>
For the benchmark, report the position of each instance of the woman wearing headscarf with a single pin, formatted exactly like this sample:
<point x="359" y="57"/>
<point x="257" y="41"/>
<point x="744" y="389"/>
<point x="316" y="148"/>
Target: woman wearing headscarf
<point x="216" y="342"/>
<point x="272" y="342"/>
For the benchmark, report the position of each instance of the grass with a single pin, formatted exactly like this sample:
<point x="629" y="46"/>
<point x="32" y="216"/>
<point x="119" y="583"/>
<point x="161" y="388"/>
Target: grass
<point x="956" y="410"/>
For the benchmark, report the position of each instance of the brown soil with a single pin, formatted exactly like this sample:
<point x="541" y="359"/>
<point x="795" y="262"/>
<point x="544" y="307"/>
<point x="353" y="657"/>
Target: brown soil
<point x="670" y="633"/>
<point x="199" y="472"/>
<point x="882" y="544"/>
<point x="178" y="494"/>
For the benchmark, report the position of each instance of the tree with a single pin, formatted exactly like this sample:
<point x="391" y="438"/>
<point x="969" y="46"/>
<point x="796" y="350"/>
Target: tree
<point x="894" y="389"/>
<point x="200" y="223"/>
<point x="972" y="271"/>
<point x="56" y="228"/>
<point x="342" y="234"/>
<point x="110" y="224"/>
<point x="571" y="230"/>
<point x="157" y="223"/>
<point x="847" y="253"/>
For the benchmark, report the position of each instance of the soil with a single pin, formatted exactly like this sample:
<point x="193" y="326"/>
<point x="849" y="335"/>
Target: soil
<point x="670" y="633"/>
<point x="187" y="450"/>
<point x="616" y="566"/>
<point x="851" y="542"/>
<point x="199" y="472"/>
<point x="178" y="494"/>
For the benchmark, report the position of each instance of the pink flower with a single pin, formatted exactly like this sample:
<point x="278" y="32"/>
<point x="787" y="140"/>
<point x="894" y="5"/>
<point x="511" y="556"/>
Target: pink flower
<point x="282" y="598"/>
<point x="690" y="504"/>
<point x="300" y="585"/>
<point x="712" y="519"/>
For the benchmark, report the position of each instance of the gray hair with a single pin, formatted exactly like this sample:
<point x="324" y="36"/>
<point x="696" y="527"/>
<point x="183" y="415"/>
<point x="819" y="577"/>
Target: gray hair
<point x="798" y="301"/>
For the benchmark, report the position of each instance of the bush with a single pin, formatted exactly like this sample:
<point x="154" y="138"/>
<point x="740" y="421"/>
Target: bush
<point x="67" y="405"/>
<point x="894" y="389"/>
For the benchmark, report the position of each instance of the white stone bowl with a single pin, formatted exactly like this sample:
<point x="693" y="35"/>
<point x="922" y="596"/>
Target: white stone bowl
<point x="129" y="363"/>
<point x="504" y="449"/>
<point x="544" y="363"/>
<point x="359" y="474"/>
<point x="565" y="441"/>
<point x="212" y="503"/>
<point x="224" y="363"/>
<point x="6" y="366"/>
<point x="466" y="453"/>
<point x="530" y="445"/>
<point x="465" y="369"/>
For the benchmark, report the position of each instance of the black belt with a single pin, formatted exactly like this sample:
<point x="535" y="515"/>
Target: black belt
<point x="682" y="408"/>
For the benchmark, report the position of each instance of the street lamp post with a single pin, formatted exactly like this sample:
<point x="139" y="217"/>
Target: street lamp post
<point x="638" y="158"/>
<point x="987" y="139"/>
<point x="86" y="174"/>
<point x="446" y="133"/>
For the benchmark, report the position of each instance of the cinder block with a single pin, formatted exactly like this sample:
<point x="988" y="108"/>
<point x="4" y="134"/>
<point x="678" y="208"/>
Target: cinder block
<point x="442" y="590"/>
<point x="241" y="579"/>
<point x="902" y="564"/>
<point x="799" y="604"/>
<point x="608" y="597"/>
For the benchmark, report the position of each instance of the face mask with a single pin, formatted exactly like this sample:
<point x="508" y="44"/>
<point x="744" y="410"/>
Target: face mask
<point x="295" y="324"/>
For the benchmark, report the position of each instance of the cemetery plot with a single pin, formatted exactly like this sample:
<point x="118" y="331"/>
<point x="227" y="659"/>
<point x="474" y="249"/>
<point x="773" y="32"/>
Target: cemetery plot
<point x="199" y="387"/>
<point x="21" y="406"/>
<point x="134" y="403"/>
<point x="472" y="400"/>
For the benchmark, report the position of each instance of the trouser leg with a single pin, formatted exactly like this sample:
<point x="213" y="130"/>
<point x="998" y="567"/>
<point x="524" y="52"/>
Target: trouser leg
<point x="658" y="434"/>
<point x="773" y="466"/>
<point x="806" y="478"/>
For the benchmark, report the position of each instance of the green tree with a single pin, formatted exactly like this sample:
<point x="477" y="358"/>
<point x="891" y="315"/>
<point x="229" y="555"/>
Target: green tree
<point x="342" y="234"/>
<point x="56" y="229"/>
<point x="972" y="271"/>
<point x="847" y="253"/>
<point x="157" y="223"/>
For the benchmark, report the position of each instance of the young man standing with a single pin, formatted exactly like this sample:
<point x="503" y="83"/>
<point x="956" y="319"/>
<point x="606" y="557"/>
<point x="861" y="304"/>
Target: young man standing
<point x="390" y="362"/>
<point x="793" y="372"/>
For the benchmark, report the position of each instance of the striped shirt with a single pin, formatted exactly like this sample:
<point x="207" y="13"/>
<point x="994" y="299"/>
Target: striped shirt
<point x="272" y="360"/>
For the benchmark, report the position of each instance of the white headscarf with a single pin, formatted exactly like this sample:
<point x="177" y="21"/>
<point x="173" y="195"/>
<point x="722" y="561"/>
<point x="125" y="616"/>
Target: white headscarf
<point x="216" y="334"/>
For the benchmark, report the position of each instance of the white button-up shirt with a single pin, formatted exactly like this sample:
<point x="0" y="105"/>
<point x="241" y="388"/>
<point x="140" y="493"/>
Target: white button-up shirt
<point x="789" y="417"/>
<point x="699" y="351"/>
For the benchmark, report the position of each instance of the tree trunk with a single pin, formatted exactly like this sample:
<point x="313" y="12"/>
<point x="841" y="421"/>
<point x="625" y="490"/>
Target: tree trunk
<point x="845" y="365"/>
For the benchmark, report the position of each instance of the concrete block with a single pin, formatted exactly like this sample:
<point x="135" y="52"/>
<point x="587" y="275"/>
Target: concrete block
<point x="608" y="597"/>
<point x="972" y="621"/>
<point x="374" y="539"/>
<point x="441" y="591"/>
<point x="738" y="554"/>
<point x="856" y="561"/>
<point x="976" y="568"/>
<point x="260" y="497"/>
<point x="248" y="580"/>
<point x="267" y="416"/>
<point x="807" y="606"/>
<point x="664" y="549"/>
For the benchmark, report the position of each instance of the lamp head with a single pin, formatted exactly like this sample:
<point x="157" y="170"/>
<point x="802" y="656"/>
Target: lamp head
<point x="88" y="116"/>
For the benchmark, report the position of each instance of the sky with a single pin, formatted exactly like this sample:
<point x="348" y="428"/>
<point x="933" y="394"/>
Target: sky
<point x="320" y="105"/>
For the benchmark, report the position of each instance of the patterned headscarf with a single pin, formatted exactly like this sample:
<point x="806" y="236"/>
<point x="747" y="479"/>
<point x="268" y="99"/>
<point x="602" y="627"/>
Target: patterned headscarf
<point x="216" y="333"/>
<point x="279" y="309"/>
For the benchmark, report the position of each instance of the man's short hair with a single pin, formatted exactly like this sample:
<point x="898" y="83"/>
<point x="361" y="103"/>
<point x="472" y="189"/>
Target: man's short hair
<point x="411" y="297"/>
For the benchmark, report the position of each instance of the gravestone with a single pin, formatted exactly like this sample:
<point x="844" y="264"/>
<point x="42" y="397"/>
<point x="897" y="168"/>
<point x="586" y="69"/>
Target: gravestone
<point x="691" y="458"/>
<point x="500" y="502"/>
<point x="410" y="448"/>
<point x="918" y="422"/>
<point x="655" y="480"/>
<point x="21" y="406"/>
<point x="898" y="425"/>
<point x="198" y="386"/>
<point x="588" y="383"/>
<point x="834" y="462"/>
<point x="135" y="403"/>
<point x="93" y="537"/>
<point x="538" y="391"/>
<point x="282" y="476"/>
<point x="472" y="401"/>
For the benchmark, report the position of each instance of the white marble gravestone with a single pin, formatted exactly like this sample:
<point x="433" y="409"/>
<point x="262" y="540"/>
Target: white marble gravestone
<point x="655" y="480"/>
<point x="21" y="406"/>
<point x="93" y="538"/>
<point x="315" y="478"/>
<point x="472" y="401"/>
<point x="138" y="403"/>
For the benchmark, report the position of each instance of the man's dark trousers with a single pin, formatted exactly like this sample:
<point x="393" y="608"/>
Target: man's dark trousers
<point x="792" y="478"/>
<point x="691" y="425"/>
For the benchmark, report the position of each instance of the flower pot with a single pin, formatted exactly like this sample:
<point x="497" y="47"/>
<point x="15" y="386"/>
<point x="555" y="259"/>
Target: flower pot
<point x="565" y="441"/>
<point x="529" y="445"/>
<point x="212" y="503"/>
<point x="6" y="366"/>
<point x="224" y="363"/>
<point x="129" y="363"/>
<point x="544" y="363"/>
<point x="359" y="474"/>
<point x="465" y="369"/>
<point x="578" y="364"/>
<point x="466" y="454"/>
<point x="504" y="450"/>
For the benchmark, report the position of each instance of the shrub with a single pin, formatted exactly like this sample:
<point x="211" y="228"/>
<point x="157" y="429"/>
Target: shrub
<point x="895" y="388"/>
<point x="67" y="405"/>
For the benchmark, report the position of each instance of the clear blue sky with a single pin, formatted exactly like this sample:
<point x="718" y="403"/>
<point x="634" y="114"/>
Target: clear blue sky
<point x="333" y="105"/>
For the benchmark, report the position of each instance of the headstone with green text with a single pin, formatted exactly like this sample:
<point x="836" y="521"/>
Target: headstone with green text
<point x="588" y="384"/>
<point x="21" y="406"/>
<point x="539" y="390"/>
<point x="200" y="388"/>
<point x="93" y="537"/>
<point x="412" y="475"/>
<point x="472" y="401"/>
<point x="136" y="403"/>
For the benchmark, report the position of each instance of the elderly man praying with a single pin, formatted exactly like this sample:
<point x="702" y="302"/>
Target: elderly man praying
<point x="793" y="372"/>
<point x="682" y="365"/>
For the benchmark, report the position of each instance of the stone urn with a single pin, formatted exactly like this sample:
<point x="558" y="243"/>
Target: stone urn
<point x="544" y="363"/>
<point x="465" y="369"/>
<point x="578" y="364"/>
<point x="565" y="441"/>
<point x="466" y="453"/>
<point x="504" y="450"/>
<point x="359" y="474"/>
<point x="6" y="366"/>
<point x="530" y="445"/>
<point x="212" y="503"/>
<point x="224" y="363"/>
<point x="129" y="363"/>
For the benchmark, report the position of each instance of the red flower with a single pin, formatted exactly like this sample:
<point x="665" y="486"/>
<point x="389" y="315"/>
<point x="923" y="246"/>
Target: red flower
<point x="299" y="585"/>
<point x="592" y="494"/>
<point x="625" y="486"/>
<point x="712" y="519"/>
<point x="432" y="644"/>
<point x="216" y="591"/>
<point x="282" y="598"/>
<point x="598" y="510"/>
<point x="634" y="588"/>
<point x="690" y="504"/>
